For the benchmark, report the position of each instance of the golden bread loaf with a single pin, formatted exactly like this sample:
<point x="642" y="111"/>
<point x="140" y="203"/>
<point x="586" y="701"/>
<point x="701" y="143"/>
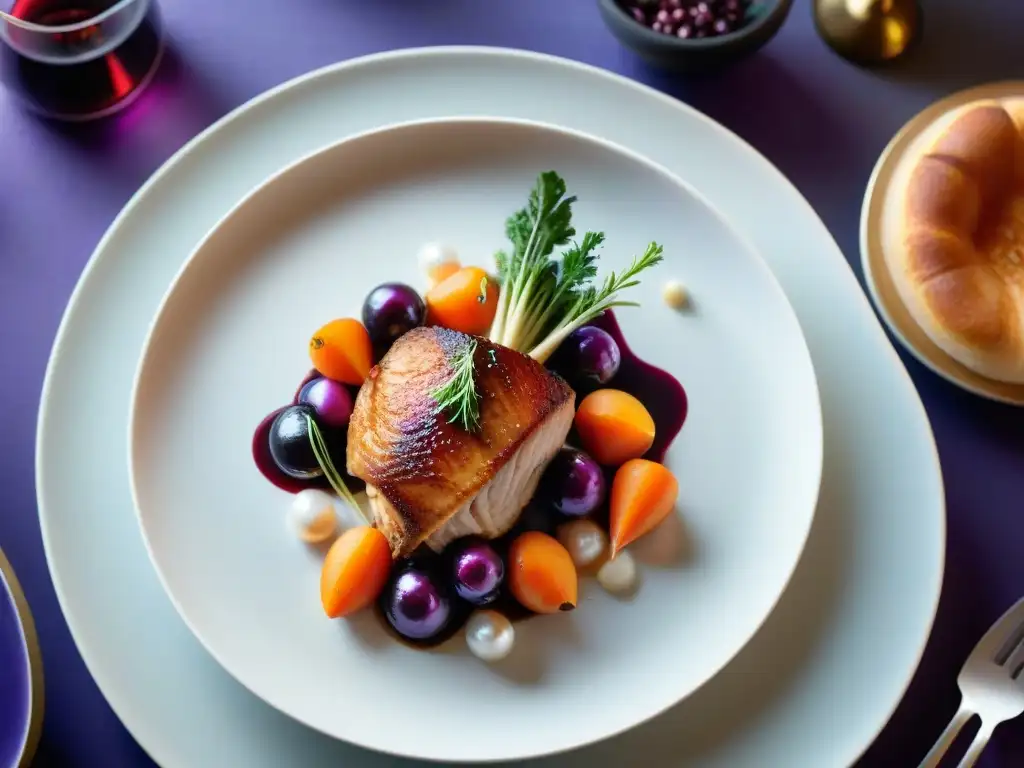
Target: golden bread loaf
<point x="960" y="265"/>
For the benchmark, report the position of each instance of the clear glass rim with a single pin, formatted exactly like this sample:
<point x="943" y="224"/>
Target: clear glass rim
<point x="50" y="29"/>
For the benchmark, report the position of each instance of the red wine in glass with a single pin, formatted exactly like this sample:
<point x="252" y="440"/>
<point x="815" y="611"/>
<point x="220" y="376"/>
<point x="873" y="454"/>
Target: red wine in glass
<point x="79" y="59"/>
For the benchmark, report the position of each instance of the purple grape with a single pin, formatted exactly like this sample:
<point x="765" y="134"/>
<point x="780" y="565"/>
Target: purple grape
<point x="389" y="311"/>
<point x="573" y="483"/>
<point x="289" y="443"/>
<point x="588" y="356"/>
<point x="331" y="400"/>
<point x="415" y="606"/>
<point x="477" y="571"/>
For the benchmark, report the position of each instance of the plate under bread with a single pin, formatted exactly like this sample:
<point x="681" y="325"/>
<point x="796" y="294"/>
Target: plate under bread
<point x="889" y="174"/>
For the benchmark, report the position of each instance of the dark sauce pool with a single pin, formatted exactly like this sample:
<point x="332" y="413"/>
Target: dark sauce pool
<point x="659" y="391"/>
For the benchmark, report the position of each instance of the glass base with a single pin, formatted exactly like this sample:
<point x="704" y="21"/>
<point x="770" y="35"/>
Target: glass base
<point x="113" y="109"/>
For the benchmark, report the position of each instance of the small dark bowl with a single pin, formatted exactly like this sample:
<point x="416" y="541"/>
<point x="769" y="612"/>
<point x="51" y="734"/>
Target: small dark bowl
<point x="764" y="18"/>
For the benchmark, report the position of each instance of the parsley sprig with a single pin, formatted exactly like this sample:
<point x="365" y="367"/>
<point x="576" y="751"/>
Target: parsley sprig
<point x="545" y="297"/>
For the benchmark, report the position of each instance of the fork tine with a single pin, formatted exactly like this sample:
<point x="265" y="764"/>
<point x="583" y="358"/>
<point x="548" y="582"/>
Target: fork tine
<point x="1010" y="647"/>
<point x="1015" y="662"/>
<point x="993" y="646"/>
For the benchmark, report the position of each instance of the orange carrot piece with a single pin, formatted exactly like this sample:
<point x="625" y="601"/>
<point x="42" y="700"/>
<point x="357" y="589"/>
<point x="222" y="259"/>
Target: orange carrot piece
<point x="464" y="301"/>
<point x="355" y="571"/>
<point x="442" y="272"/>
<point x="643" y="494"/>
<point x="341" y="350"/>
<point x="542" y="576"/>
<point x="614" y="426"/>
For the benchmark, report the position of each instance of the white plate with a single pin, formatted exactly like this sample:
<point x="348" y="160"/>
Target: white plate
<point x="306" y="248"/>
<point x="812" y="688"/>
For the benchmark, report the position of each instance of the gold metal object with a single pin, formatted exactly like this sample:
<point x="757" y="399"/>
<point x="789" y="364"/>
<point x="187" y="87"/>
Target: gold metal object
<point x="35" y="725"/>
<point x="868" y="31"/>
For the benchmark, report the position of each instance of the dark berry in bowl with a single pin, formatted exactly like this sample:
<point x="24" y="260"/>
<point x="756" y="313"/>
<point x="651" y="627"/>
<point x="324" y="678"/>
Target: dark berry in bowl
<point x="687" y="18"/>
<point x="694" y="35"/>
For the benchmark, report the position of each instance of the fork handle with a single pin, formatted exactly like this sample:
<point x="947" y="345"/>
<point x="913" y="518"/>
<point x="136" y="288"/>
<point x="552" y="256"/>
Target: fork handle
<point x="945" y="741"/>
<point x="979" y="743"/>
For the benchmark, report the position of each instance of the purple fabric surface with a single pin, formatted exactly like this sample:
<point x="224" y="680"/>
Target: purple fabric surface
<point x="822" y="121"/>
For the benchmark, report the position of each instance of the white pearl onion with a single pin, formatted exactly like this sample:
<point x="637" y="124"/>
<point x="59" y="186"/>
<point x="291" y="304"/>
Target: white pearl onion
<point x="312" y="515"/>
<point x="490" y="636"/>
<point x="618" y="576"/>
<point x="675" y="294"/>
<point x="585" y="541"/>
<point x="432" y="256"/>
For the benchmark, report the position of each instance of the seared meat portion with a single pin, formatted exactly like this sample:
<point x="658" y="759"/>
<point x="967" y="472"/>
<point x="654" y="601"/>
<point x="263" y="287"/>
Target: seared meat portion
<point x="429" y="480"/>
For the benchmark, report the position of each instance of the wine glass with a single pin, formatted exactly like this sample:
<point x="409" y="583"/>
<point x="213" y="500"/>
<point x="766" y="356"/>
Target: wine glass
<point x="78" y="59"/>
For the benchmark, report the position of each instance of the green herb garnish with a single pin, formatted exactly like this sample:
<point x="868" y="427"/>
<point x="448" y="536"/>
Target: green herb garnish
<point x="458" y="398"/>
<point x="584" y="305"/>
<point x="544" y="298"/>
<point x="483" y="291"/>
<point x="323" y="458"/>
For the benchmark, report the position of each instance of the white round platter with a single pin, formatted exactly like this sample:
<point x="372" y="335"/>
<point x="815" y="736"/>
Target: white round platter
<point x="229" y="345"/>
<point x="880" y="518"/>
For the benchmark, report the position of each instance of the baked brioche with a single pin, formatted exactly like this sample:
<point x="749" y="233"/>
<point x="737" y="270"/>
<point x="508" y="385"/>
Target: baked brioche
<point x="960" y="267"/>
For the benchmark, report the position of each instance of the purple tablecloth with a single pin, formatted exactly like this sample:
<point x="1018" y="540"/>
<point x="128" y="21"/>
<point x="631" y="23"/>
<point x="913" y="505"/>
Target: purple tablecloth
<point x="822" y="121"/>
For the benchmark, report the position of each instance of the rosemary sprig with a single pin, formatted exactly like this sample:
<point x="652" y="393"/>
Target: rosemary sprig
<point x="323" y="458"/>
<point x="458" y="397"/>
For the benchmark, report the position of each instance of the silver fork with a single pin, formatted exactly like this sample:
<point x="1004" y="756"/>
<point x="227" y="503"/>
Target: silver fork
<point x="991" y="686"/>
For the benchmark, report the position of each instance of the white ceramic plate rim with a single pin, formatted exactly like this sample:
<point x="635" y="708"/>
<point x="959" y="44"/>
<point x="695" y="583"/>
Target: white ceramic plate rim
<point x="523" y="750"/>
<point x="141" y="727"/>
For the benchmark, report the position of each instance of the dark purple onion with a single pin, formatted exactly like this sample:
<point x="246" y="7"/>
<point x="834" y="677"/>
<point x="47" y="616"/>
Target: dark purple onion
<point x="588" y="356"/>
<point x="477" y="571"/>
<point x="289" y="443"/>
<point x="331" y="400"/>
<point x="391" y="310"/>
<point x="574" y="483"/>
<point x="416" y="606"/>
